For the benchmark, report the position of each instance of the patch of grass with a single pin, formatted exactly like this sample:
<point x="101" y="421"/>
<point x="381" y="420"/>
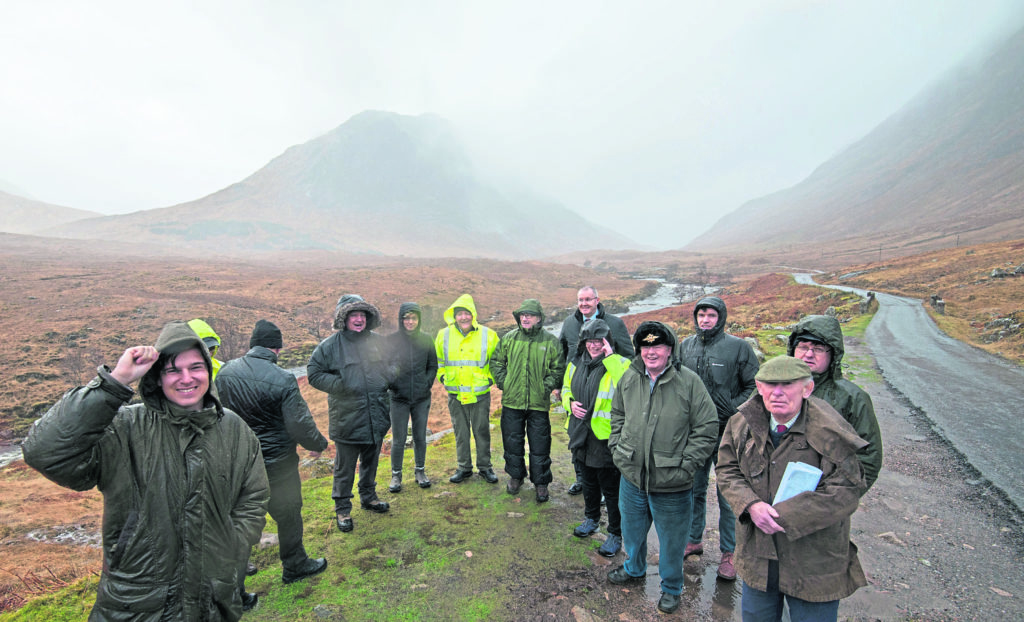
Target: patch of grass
<point x="452" y="549"/>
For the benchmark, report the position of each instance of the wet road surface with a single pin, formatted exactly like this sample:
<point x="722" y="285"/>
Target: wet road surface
<point x="974" y="399"/>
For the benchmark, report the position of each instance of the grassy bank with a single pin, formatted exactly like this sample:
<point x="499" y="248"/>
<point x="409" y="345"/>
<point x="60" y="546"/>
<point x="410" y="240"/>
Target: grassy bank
<point x="457" y="552"/>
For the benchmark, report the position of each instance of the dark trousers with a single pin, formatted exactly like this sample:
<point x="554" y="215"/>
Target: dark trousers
<point x="285" y="508"/>
<point x="597" y="482"/>
<point x="401" y="412"/>
<point x="518" y="425"/>
<point x="345" y="457"/>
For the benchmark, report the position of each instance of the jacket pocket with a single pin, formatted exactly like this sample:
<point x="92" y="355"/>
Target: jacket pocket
<point x="227" y="602"/>
<point x="624" y="458"/>
<point x="668" y="472"/>
<point x="117" y="595"/>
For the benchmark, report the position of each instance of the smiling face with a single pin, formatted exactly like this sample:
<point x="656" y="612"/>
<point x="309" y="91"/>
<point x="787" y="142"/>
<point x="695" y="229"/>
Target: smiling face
<point x="655" y="358"/>
<point x="185" y="380"/>
<point x="586" y="301"/>
<point x="464" y="319"/>
<point x="595" y="347"/>
<point x="355" y="321"/>
<point x="706" y="318"/>
<point x="784" y="399"/>
<point x="410" y="321"/>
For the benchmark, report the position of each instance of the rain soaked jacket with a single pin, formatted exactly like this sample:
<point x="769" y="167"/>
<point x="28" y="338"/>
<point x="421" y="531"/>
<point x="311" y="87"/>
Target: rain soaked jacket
<point x="205" y="331"/>
<point x="726" y="364"/>
<point x="662" y="434"/>
<point x="817" y="561"/>
<point x="414" y="359"/>
<point x="268" y="399"/>
<point x="852" y="402"/>
<point x="184" y="492"/>
<point x="528" y="364"/>
<point x="352" y="369"/>
<point x="464" y="361"/>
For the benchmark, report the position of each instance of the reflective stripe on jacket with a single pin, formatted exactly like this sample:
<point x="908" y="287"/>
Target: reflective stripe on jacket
<point x="601" y="419"/>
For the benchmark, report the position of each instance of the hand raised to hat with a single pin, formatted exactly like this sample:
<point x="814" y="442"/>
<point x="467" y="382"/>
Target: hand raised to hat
<point x="134" y="364"/>
<point x="606" y="347"/>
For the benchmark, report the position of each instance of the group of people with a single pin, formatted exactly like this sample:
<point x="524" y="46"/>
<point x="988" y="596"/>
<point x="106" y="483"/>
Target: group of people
<point x="189" y="472"/>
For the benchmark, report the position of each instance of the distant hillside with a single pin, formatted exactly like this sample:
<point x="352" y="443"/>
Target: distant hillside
<point x="949" y="164"/>
<point x="21" y="215"/>
<point x="381" y="183"/>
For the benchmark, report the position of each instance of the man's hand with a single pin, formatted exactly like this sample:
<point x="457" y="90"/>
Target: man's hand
<point x="556" y="395"/>
<point x="607" y="347"/>
<point x="134" y="364"/>
<point x="578" y="410"/>
<point x="764" y="517"/>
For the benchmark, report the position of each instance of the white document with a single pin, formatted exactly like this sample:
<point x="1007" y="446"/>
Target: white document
<point x="799" y="477"/>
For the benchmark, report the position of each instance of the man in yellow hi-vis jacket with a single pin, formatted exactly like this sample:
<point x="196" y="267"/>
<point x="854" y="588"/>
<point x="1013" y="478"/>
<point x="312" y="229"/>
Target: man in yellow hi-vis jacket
<point x="464" y="350"/>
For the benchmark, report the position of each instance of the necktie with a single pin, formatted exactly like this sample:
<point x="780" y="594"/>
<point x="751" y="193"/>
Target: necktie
<point x="780" y="429"/>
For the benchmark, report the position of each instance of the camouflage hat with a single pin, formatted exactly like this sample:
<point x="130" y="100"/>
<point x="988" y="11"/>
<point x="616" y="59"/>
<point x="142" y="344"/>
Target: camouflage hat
<point x="783" y="369"/>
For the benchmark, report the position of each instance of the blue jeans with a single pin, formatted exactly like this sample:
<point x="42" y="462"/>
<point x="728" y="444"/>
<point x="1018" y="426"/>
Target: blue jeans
<point x="726" y="517"/>
<point x="761" y="606"/>
<point x="670" y="513"/>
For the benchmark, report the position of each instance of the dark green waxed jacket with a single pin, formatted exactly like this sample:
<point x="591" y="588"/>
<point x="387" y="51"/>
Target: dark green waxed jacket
<point x="661" y="435"/>
<point x="528" y="365"/>
<point x="852" y="402"/>
<point x="184" y="493"/>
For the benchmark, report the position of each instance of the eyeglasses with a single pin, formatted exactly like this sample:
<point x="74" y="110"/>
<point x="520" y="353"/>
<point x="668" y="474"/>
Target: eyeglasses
<point x="803" y="348"/>
<point x="586" y="299"/>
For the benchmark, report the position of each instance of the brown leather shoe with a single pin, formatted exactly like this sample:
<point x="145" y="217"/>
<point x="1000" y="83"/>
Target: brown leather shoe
<point x="725" y="568"/>
<point x="693" y="548"/>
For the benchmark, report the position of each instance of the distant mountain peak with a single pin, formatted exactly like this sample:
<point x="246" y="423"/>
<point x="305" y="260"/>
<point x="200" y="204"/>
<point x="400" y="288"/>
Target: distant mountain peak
<point x="381" y="183"/>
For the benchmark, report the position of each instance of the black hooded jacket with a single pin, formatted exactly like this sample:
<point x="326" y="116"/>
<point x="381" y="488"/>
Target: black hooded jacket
<point x="413" y="358"/>
<point x="352" y="368"/>
<point x="726" y="364"/>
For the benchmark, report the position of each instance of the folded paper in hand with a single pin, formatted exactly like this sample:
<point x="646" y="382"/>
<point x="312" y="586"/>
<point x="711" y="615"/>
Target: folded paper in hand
<point x="798" y="477"/>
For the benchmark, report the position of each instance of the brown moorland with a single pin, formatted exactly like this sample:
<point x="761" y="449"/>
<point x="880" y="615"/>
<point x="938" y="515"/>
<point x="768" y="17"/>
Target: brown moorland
<point x="984" y="310"/>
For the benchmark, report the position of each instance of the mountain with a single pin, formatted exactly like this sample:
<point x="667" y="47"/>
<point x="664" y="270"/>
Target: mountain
<point x="21" y="215"/>
<point x="380" y="183"/>
<point x="948" y="164"/>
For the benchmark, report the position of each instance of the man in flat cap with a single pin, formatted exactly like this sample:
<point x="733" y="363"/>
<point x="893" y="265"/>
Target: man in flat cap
<point x="268" y="399"/>
<point x="663" y="427"/>
<point x="796" y="550"/>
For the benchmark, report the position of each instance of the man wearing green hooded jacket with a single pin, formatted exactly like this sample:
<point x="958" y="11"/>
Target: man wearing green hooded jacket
<point x="818" y="341"/>
<point x="184" y="488"/>
<point x="528" y="365"/>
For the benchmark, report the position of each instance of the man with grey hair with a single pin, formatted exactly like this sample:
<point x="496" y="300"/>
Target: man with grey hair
<point x="588" y="308"/>
<point x="793" y="550"/>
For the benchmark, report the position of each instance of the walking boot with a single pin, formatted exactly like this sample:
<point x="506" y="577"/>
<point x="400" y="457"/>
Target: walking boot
<point x="542" y="493"/>
<point x="513" y="486"/>
<point x="396" y="481"/>
<point x="577" y="487"/>
<point x="421" y="478"/>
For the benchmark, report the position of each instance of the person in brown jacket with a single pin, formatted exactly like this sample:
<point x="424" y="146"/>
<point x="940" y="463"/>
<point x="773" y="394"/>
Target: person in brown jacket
<point x="795" y="551"/>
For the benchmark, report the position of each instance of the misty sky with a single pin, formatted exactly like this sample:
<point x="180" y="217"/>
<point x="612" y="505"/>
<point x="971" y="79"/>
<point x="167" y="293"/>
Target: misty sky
<point x="634" y="114"/>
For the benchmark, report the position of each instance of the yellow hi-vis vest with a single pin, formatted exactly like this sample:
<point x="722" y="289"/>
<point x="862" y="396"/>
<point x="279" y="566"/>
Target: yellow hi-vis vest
<point x="601" y="421"/>
<point x="464" y="362"/>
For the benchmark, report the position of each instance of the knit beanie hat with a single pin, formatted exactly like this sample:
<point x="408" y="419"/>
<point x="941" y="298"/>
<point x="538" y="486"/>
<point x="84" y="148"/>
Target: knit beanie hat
<point x="266" y="334"/>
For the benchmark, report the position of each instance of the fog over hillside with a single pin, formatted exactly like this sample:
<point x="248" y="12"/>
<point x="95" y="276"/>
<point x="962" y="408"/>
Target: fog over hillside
<point x="658" y="116"/>
<point x="945" y="169"/>
<point x="381" y="183"/>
